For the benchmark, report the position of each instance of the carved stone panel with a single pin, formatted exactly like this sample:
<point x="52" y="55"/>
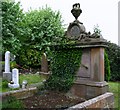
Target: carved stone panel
<point x="84" y="70"/>
<point x="75" y="31"/>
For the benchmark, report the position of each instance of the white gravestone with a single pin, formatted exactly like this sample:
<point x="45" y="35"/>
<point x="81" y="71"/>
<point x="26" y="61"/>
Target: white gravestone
<point x="7" y="73"/>
<point x="15" y="79"/>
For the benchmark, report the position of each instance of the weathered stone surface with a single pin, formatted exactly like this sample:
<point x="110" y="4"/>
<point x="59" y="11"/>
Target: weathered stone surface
<point x="15" y="79"/>
<point x="78" y="90"/>
<point x="101" y="102"/>
<point x="7" y="74"/>
<point x="97" y="64"/>
<point x="7" y="62"/>
<point x="89" y="89"/>
<point x="44" y="63"/>
<point x="89" y="81"/>
<point x="85" y="67"/>
<point x="20" y="94"/>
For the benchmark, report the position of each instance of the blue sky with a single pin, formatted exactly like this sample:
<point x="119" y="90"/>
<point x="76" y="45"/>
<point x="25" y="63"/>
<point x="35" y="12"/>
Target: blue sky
<point x="101" y="12"/>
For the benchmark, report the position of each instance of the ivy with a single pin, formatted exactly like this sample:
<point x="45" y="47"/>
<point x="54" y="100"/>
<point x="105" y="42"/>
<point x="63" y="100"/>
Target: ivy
<point x="64" y="64"/>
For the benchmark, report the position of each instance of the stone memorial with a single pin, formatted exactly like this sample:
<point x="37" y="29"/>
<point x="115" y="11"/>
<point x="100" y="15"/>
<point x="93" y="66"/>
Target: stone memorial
<point x="44" y="64"/>
<point x="89" y="81"/>
<point x="7" y="73"/>
<point x="15" y="79"/>
<point x="24" y="84"/>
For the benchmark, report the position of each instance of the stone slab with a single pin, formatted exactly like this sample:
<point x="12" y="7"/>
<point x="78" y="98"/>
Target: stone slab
<point x="20" y="94"/>
<point x="102" y="102"/>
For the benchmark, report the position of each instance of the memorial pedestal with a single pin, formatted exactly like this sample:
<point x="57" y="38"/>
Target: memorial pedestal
<point x="13" y="85"/>
<point x="7" y="76"/>
<point x="89" y="89"/>
<point x="89" y="81"/>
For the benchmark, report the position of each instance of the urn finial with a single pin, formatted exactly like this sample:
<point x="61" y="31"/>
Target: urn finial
<point x="76" y="11"/>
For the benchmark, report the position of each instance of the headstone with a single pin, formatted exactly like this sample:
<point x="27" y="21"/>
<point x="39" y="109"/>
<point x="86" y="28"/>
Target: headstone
<point x="7" y="73"/>
<point x="15" y="79"/>
<point x="44" y="63"/>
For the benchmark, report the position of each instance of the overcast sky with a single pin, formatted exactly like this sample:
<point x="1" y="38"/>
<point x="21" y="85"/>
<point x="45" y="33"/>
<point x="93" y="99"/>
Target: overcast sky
<point x="101" y="12"/>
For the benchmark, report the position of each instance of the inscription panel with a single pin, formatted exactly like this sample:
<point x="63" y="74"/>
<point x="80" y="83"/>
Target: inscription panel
<point x="75" y="31"/>
<point x="84" y="70"/>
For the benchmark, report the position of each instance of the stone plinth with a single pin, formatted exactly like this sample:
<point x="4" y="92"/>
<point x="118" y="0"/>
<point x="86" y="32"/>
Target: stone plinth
<point x="7" y="73"/>
<point x="89" y="89"/>
<point x="89" y="81"/>
<point x="7" y="76"/>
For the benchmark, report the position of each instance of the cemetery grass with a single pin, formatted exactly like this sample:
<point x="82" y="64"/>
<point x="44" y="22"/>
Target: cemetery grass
<point x="114" y="87"/>
<point x="31" y="79"/>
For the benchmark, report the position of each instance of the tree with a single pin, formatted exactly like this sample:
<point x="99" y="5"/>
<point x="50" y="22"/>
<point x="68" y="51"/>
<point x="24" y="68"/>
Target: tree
<point x="113" y="52"/>
<point x="41" y="28"/>
<point x="11" y="17"/>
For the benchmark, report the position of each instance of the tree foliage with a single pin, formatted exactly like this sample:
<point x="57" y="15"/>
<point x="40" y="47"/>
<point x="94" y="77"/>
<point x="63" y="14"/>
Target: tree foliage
<point x="28" y="34"/>
<point x="11" y="17"/>
<point x="107" y="67"/>
<point x="113" y="52"/>
<point x="41" y="28"/>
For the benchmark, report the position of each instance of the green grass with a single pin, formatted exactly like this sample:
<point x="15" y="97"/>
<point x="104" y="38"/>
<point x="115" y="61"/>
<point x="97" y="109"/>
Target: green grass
<point x="31" y="79"/>
<point x="12" y="103"/>
<point x="114" y="87"/>
<point x="0" y="84"/>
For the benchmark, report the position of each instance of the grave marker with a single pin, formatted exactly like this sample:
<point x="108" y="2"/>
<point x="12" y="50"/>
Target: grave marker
<point x="7" y="73"/>
<point x="15" y="79"/>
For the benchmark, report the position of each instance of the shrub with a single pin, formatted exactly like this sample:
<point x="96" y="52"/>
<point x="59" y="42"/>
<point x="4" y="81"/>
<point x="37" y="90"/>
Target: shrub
<point x="40" y="28"/>
<point x="4" y="83"/>
<point x="107" y="67"/>
<point x="30" y="58"/>
<point x="113" y="52"/>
